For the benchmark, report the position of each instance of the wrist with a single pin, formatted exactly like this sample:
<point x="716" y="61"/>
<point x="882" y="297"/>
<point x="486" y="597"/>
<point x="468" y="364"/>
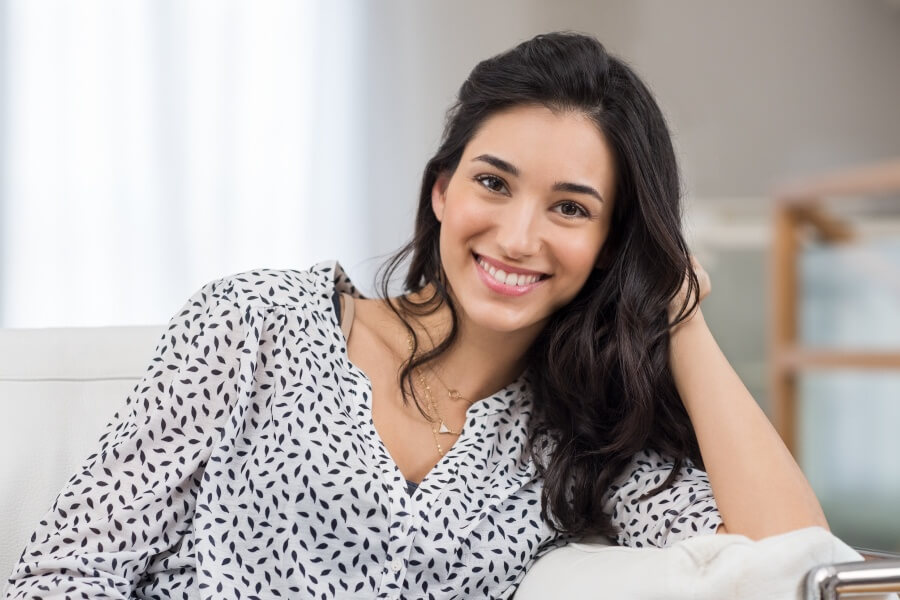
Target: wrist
<point x="689" y="345"/>
<point x="694" y="320"/>
<point x="686" y="335"/>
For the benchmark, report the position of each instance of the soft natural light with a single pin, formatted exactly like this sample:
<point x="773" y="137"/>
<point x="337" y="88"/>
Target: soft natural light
<point x="153" y="146"/>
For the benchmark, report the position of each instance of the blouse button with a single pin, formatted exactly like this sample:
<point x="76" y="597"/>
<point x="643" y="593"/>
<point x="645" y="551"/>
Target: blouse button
<point x="396" y="565"/>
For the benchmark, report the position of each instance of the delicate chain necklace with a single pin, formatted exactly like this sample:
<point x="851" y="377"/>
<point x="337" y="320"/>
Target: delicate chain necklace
<point x="438" y="427"/>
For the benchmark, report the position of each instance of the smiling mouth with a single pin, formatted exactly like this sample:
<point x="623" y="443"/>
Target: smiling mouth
<point x="512" y="279"/>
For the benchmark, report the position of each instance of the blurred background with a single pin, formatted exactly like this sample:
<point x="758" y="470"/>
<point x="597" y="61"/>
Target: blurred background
<point x="149" y="146"/>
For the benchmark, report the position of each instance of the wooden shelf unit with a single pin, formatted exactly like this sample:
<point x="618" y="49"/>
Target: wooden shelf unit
<point x="799" y="210"/>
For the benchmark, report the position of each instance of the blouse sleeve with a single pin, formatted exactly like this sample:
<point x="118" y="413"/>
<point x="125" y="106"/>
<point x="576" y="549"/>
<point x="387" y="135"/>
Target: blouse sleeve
<point x="134" y="497"/>
<point x="684" y="510"/>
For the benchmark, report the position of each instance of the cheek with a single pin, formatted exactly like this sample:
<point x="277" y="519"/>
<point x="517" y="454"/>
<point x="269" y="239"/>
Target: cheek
<point x="464" y="218"/>
<point x="580" y="253"/>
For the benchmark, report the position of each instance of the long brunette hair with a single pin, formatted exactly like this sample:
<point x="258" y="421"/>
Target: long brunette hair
<point x="601" y="381"/>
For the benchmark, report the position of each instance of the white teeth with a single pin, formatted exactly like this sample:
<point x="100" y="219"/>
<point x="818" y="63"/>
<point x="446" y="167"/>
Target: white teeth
<point x="508" y="278"/>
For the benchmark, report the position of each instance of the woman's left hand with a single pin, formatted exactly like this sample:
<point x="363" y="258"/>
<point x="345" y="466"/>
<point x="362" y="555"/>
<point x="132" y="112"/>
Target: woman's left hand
<point x="705" y="286"/>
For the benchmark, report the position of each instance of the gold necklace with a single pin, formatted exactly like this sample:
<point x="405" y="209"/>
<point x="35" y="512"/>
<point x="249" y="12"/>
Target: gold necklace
<point x="439" y="426"/>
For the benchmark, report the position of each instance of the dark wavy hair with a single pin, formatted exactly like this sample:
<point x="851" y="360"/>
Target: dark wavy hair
<point x="601" y="380"/>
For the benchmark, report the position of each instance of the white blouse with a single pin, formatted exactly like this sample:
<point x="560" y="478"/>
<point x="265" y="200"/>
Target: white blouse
<point x="245" y="465"/>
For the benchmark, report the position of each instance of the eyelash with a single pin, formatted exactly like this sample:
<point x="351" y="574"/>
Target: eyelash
<point x="585" y="214"/>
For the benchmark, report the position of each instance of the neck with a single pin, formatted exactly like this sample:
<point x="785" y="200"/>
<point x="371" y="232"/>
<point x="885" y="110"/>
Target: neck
<point x="480" y="362"/>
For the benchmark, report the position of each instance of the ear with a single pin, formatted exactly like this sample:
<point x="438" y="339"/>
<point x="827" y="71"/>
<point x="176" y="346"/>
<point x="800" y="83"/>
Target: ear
<point x="439" y="195"/>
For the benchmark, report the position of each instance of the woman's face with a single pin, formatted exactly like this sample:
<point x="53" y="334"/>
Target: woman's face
<point x="532" y="195"/>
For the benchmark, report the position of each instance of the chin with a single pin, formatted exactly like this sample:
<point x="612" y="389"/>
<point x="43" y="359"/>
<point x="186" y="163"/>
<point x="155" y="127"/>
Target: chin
<point x="490" y="319"/>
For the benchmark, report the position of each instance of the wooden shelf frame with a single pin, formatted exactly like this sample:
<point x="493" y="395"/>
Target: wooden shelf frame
<point x="799" y="208"/>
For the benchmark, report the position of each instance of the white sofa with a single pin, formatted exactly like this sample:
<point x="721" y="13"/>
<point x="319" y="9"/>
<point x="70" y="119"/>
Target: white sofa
<point x="59" y="387"/>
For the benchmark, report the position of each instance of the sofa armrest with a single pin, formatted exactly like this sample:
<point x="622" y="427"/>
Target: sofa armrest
<point x="58" y="388"/>
<point x="706" y="567"/>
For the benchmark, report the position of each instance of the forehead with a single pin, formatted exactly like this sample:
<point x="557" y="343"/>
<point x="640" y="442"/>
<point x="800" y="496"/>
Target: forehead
<point x="543" y="144"/>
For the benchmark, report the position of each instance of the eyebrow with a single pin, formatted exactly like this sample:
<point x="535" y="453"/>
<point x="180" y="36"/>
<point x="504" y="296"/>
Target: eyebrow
<point x="559" y="186"/>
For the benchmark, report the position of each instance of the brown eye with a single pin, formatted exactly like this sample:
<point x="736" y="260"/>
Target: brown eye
<point x="494" y="184"/>
<point x="572" y="210"/>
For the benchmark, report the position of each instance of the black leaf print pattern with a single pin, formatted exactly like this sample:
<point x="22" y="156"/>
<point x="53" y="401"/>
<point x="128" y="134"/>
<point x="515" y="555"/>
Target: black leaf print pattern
<point x="245" y="465"/>
<point x="659" y="521"/>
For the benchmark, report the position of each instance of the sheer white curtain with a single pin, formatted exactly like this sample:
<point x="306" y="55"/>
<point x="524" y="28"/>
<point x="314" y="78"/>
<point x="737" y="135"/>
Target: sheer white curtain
<point x="149" y="146"/>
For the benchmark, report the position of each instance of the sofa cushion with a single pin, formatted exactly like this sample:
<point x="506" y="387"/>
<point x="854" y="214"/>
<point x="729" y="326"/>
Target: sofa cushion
<point x="58" y="389"/>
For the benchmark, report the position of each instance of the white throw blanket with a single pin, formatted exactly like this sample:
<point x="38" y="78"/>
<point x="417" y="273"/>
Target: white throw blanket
<point x="711" y="567"/>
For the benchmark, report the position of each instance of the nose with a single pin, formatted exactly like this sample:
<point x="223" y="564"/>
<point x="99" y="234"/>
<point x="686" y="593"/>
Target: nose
<point x="519" y="232"/>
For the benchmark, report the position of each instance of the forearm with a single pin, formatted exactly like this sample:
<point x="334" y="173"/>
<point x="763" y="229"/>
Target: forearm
<point x="759" y="488"/>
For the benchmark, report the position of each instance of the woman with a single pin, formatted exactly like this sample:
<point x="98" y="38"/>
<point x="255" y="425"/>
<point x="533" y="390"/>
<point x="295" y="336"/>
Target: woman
<point x="548" y="374"/>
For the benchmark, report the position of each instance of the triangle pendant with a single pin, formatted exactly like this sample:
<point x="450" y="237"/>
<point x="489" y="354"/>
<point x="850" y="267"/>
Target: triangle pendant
<point x="444" y="428"/>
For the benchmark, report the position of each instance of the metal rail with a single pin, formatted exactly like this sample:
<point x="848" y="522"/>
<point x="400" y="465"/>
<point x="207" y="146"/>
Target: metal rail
<point x="828" y="582"/>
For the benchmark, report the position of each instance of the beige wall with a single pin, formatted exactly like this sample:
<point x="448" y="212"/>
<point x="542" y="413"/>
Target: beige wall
<point x="754" y="91"/>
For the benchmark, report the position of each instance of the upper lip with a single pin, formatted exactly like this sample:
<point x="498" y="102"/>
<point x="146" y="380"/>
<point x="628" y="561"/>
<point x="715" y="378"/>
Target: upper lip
<point x="506" y="268"/>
